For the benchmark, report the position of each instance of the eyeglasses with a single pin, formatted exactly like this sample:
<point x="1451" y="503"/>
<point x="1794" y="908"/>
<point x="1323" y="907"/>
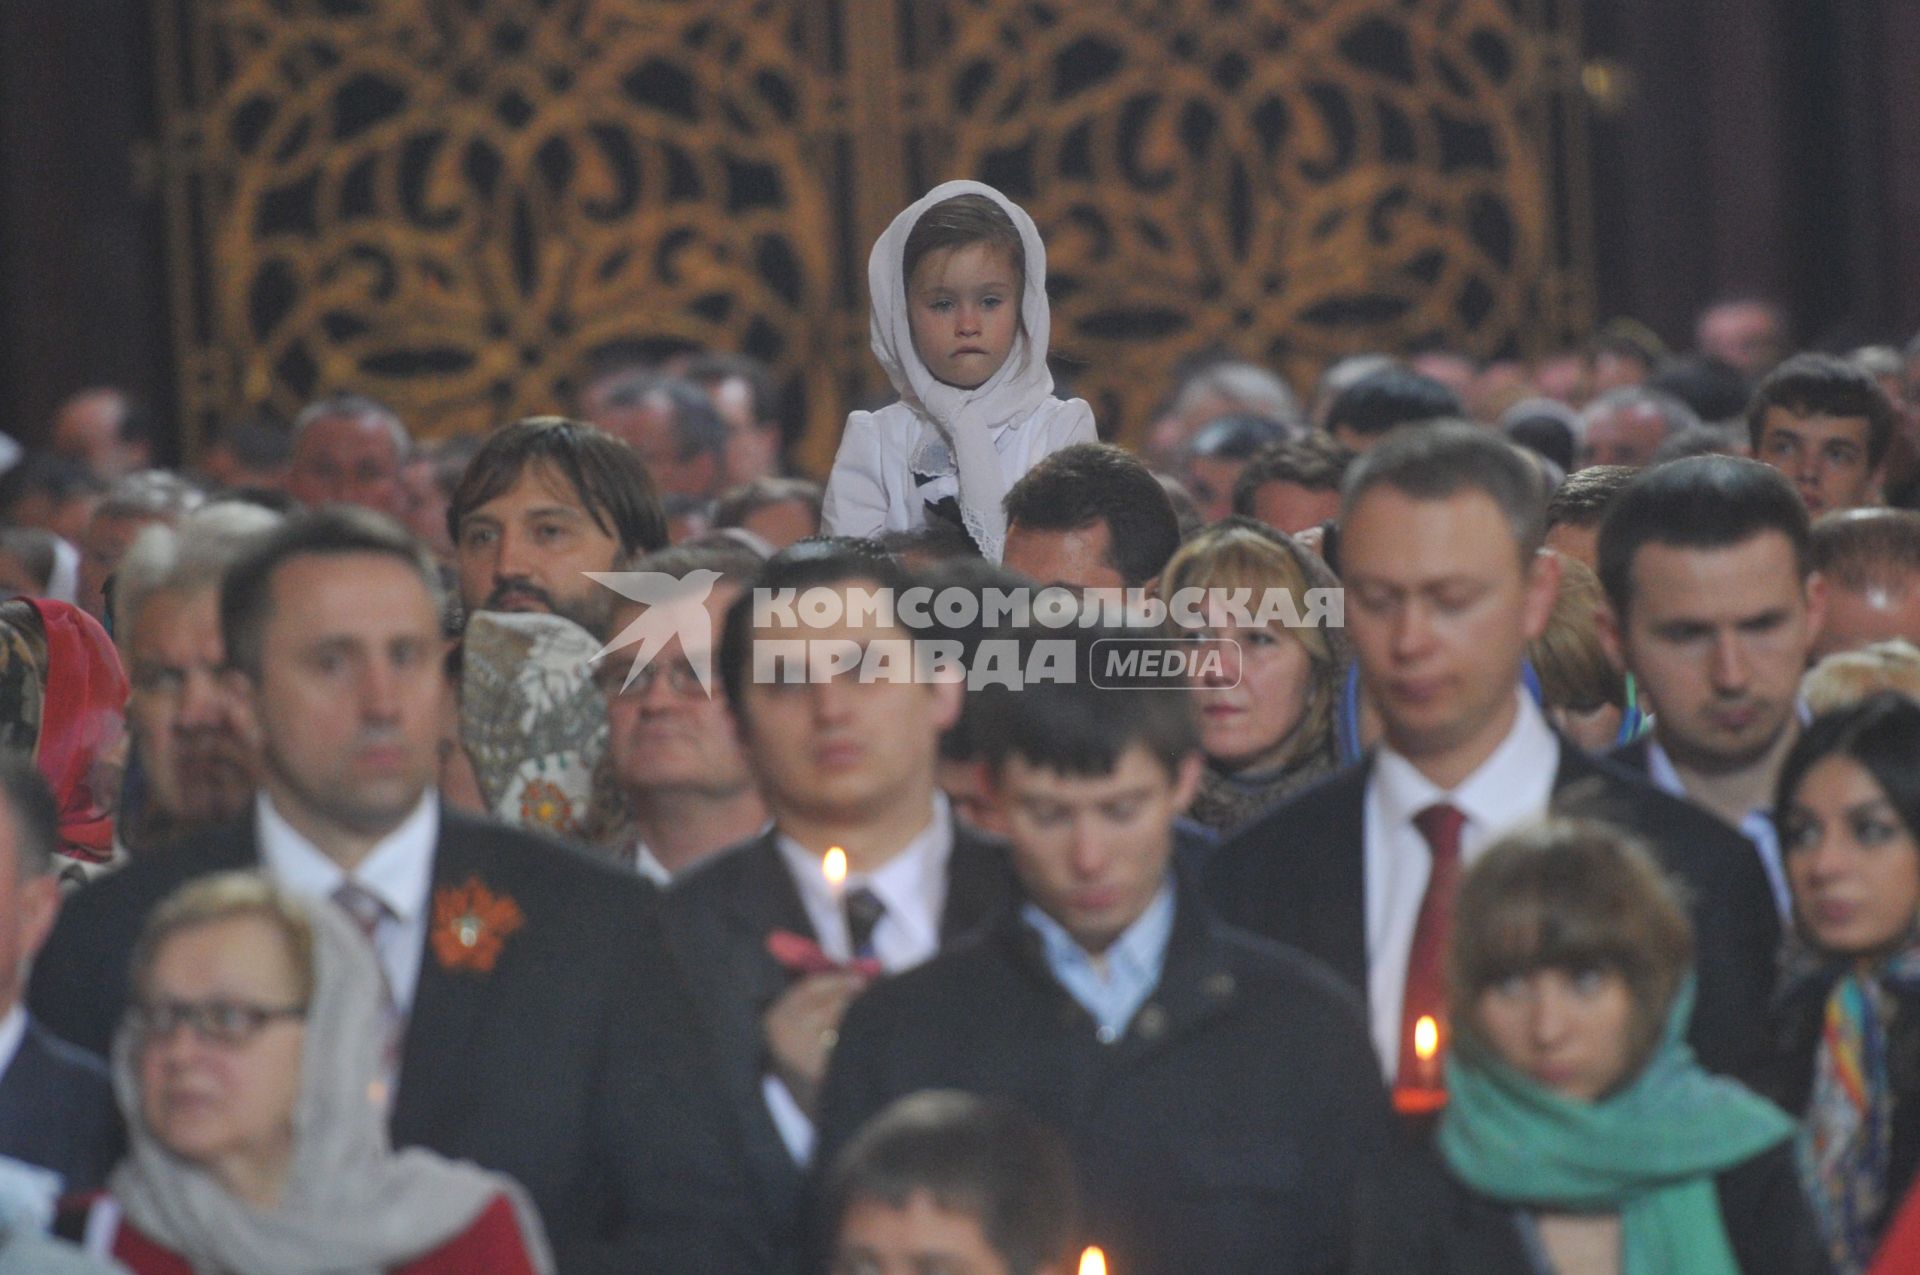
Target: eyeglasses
<point x="229" y="1023"/>
<point x="681" y="679"/>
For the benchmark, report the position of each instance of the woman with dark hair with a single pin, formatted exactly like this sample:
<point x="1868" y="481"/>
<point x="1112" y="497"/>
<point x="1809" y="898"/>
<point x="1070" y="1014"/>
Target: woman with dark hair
<point x="1267" y="708"/>
<point x="1580" y="1135"/>
<point x="1847" y="1029"/>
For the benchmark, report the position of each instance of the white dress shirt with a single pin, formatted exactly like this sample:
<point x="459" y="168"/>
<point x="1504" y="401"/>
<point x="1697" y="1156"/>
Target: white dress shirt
<point x="649" y="867"/>
<point x="1514" y="784"/>
<point x="912" y="885"/>
<point x="1756" y="824"/>
<point x="13" y="1030"/>
<point x="398" y="871"/>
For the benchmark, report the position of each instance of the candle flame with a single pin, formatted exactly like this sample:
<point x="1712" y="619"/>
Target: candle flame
<point x="1426" y="1038"/>
<point x="834" y="866"/>
<point x="1093" y="1262"/>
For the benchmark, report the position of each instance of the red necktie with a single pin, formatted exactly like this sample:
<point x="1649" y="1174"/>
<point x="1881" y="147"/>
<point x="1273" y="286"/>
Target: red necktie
<point x="1426" y="990"/>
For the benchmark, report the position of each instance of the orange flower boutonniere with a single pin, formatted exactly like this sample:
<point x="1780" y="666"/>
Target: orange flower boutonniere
<point x="470" y="924"/>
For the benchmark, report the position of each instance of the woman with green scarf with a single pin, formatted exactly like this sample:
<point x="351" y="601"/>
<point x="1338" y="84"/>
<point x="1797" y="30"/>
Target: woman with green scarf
<point x="1580" y="1136"/>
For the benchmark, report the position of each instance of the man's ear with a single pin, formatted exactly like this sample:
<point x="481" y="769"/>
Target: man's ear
<point x="243" y="695"/>
<point x="1543" y="586"/>
<point x="39" y="904"/>
<point x="1608" y="628"/>
<point x="948" y="698"/>
<point x="1816" y="595"/>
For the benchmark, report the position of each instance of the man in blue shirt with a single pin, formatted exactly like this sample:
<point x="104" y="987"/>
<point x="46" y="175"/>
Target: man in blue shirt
<point x="1219" y="1092"/>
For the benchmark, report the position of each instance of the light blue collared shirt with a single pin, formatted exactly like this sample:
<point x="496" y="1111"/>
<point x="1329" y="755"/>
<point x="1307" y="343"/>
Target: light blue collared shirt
<point x="1133" y="964"/>
<point x="1757" y="824"/>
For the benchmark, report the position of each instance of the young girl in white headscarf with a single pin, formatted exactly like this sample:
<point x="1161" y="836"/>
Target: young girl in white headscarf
<point x="959" y="283"/>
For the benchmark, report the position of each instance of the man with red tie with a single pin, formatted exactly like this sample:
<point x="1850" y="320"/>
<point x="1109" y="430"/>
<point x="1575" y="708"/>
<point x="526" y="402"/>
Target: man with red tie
<point x="1446" y="583"/>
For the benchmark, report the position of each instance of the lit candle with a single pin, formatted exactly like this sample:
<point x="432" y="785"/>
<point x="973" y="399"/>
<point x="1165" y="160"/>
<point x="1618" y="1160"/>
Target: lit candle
<point x="1422" y="1094"/>
<point x="1426" y="1048"/>
<point x="834" y="868"/>
<point x="1093" y="1262"/>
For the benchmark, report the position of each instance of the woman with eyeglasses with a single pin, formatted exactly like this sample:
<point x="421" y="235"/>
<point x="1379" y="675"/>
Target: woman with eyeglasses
<point x="249" y="1070"/>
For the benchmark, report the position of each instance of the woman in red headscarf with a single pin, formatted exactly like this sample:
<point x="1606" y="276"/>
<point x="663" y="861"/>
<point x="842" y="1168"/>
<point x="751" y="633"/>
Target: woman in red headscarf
<point x="63" y="698"/>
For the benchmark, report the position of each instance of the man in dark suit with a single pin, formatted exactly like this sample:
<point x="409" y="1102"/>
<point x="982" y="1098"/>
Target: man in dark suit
<point x="842" y="762"/>
<point x="1218" y="1091"/>
<point x="56" y="1105"/>
<point x="1445" y="584"/>
<point x="1713" y="606"/>
<point x="541" y="1027"/>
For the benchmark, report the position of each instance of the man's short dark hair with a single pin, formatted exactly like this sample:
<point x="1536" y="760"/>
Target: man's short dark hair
<point x="938" y="541"/>
<point x="737" y="504"/>
<point x="1089" y="483"/>
<point x="711" y="370"/>
<point x="605" y="472"/>
<point x="1582" y="500"/>
<point x="1705" y="502"/>
<point x="1715" y="391"/>
<point x="697" y="425"/>
<point x="1083" y="727"/>
<point x="246" y="594"/>
<point x="1861" y="548"/>
<point x="983" y="1157"/>
<point x="1313" y="461"/>
<point x="1236" y="436"/>
<point x="36" y="817"/>
<point x="1393" y="396"/>
<point x="57" y="478"/>
<point x="817" y="562"/>
<point x="1440" y="460"/>
<point x="1824" y="385"/>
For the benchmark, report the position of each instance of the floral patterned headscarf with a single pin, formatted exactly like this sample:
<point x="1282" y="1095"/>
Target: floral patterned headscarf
<point x="534" y="724"/>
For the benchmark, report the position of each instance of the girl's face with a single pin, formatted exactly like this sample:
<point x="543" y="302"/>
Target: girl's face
<point x="963" y="305"/>
<point x="1851" y="861"/>
<point x="1571" y="1031"/>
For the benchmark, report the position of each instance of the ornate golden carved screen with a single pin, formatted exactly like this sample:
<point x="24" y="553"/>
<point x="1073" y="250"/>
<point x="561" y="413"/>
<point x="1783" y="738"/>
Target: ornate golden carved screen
<point x="452" y="204"/>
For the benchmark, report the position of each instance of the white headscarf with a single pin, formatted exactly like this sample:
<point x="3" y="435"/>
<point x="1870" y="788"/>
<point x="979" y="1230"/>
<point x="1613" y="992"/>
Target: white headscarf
<point x="352" y="1205"/>
<point x="967" y="420"/>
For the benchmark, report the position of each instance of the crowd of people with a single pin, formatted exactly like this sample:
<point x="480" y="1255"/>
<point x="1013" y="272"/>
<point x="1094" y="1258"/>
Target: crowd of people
<point x="1464" y="819"/>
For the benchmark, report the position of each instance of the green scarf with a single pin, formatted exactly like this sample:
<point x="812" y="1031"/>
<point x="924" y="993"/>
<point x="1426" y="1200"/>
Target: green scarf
<point x="1648" y="1152"/>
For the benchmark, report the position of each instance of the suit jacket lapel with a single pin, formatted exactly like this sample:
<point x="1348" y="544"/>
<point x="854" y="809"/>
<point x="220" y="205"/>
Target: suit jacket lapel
<point x="766" y="900"/>
<point x="1338" y="922"/>
<point x="979" y="884"/>
<point x="446" y="1012"/>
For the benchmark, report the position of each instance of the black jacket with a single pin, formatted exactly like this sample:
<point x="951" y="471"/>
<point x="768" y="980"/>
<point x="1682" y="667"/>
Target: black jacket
<point x="718" y="918"/>
<point x="57" y="1110"/>
<point x="1767" y="1218"/>
<point x="574" y="1064"/>
<point x="1228" y="1131"/>
<point x="1297" y="875"/>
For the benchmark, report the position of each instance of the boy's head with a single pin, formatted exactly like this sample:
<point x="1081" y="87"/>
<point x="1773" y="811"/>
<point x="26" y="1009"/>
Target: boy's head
<point x="965" y="272"/>
<point x="943" y="1180"/>
<point x="1088" y="775"/>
